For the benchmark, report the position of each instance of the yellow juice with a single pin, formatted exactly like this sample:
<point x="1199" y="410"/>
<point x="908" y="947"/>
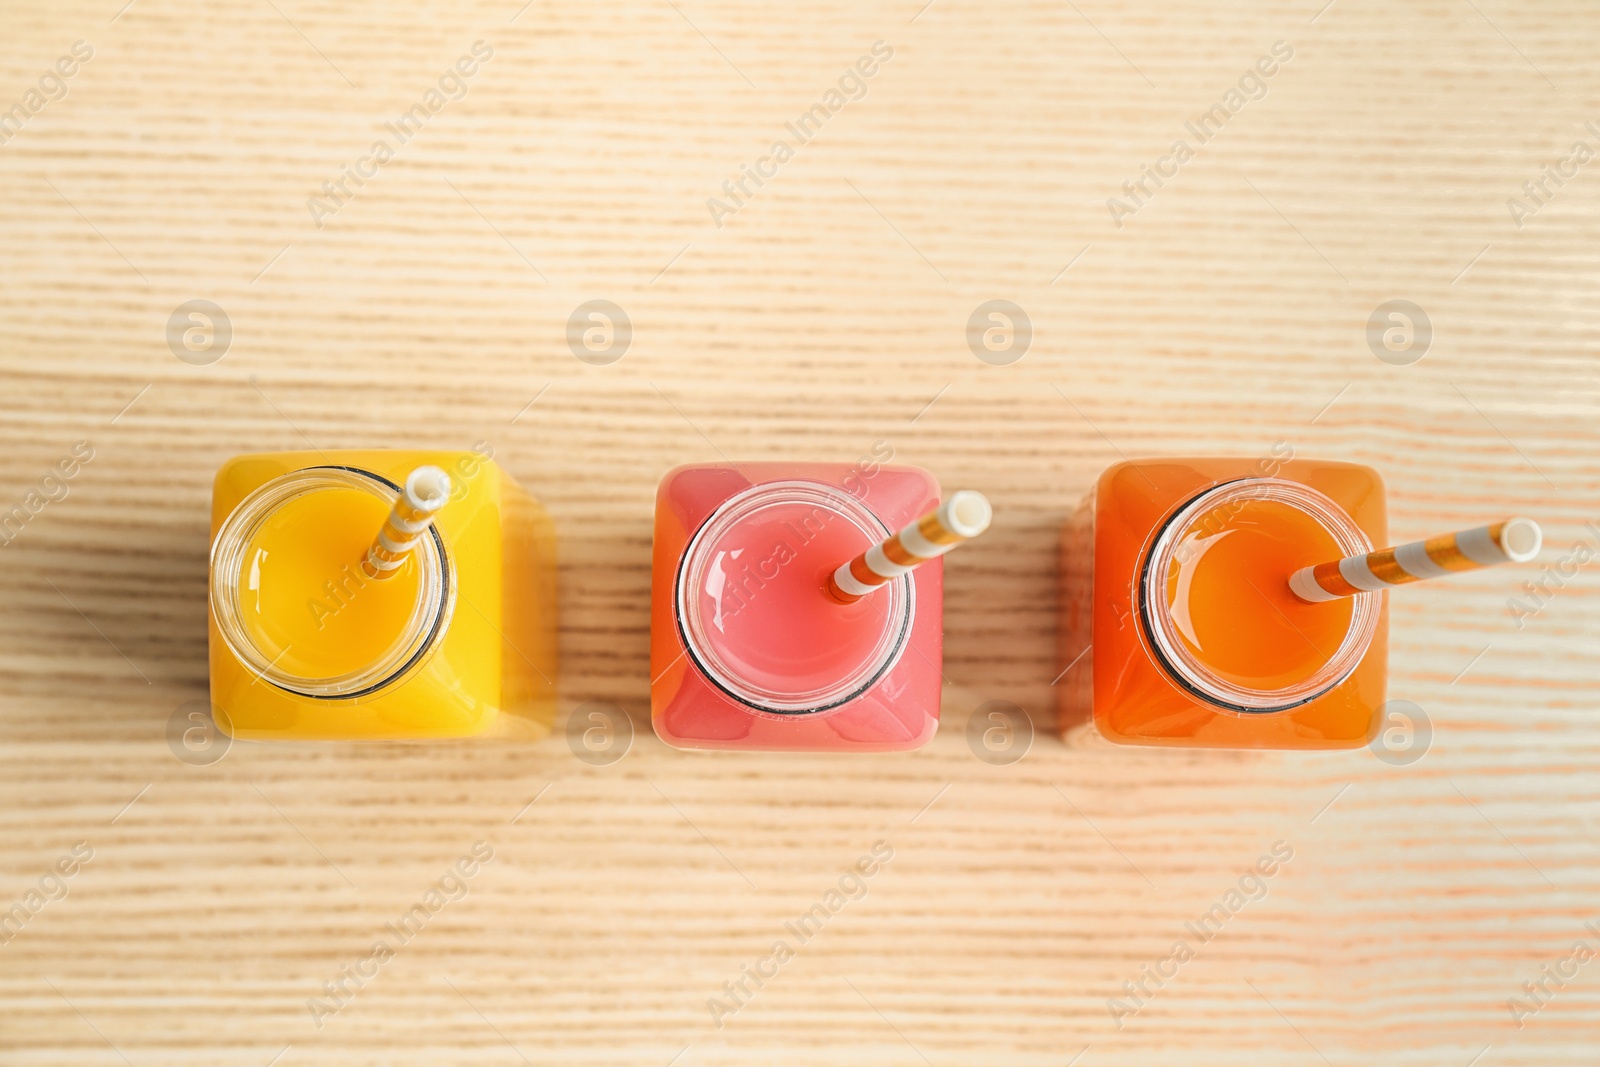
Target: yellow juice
<point x="307" y="604"/>
<point x="316" y="649"/>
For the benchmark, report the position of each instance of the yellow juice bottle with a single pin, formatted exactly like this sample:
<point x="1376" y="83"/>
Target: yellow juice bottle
<point x="459" y="640"/>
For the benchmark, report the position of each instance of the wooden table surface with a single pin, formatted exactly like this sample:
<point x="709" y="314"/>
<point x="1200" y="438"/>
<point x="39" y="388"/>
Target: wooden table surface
<point x="825" y="314"/>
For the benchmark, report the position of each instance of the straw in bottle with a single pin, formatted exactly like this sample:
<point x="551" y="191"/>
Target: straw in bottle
<point x="426" y="491"/>
<point x="963" y="516"/>
<point x="1512" y="541"/>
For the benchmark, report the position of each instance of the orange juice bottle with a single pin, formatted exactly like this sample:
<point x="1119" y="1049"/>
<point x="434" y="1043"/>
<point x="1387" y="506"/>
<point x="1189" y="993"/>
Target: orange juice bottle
<point x="1179" y="626"/>
<point x="458" y="640"/>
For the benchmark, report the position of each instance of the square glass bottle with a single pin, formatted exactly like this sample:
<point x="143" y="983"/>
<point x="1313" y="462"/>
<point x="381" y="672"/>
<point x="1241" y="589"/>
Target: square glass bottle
<point x="459" y="641"/>
<point x="1178" y="627"/>
<point x="748" y="651"/>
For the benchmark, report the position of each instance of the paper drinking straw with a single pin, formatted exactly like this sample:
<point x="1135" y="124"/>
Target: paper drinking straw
<point x="963" y="516"/>
<point x="1512" y="541"/>
<point x="426" y="491"/>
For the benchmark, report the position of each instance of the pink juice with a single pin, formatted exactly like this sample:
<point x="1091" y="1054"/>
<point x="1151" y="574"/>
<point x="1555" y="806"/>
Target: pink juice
<point x="770" y="618"/>
<point x="749" y="651"/>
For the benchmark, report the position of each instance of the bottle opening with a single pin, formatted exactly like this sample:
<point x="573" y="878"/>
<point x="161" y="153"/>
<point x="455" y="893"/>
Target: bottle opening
<point x="291" y="599"/>
<point x="1216" y="604"/>
<point x="753" y="609"/>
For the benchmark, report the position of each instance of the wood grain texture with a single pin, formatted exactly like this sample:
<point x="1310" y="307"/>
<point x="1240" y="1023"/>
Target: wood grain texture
<point x="827" y="314"/>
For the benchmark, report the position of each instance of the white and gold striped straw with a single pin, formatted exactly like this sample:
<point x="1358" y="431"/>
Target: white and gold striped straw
<point x="426" y="491"/>
<point x="1511" y="541"/>
<point x="963" y="516"/>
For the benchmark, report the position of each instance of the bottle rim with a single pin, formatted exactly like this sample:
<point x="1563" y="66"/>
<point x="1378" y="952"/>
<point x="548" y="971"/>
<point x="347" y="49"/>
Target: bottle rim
<point x="898" y="595"/>
<point x="424" y="629"/>
<point x="1174" y="654"/>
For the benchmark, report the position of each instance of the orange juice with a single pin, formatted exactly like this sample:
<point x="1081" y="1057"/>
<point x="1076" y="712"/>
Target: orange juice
<point x="459" y="641"/>
<point x="1231" y="598"/>
<point x="1178" y="626"/>
<point x="306" y="606"/>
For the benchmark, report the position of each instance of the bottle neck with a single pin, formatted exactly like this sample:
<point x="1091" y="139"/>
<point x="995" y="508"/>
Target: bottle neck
<point x="1167" y="605"/>
<point x="752" y="608"/>
<point x="270" y="538"/>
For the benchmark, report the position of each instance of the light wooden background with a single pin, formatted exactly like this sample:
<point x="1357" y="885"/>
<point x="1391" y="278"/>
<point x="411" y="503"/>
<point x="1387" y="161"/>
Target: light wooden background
<point x="828" y="314"/>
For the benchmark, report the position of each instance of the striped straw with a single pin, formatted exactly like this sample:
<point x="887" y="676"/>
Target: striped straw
<point x="427" y="489"/>
<point x="963" y="516"/>
<point x="1512" y="541"/>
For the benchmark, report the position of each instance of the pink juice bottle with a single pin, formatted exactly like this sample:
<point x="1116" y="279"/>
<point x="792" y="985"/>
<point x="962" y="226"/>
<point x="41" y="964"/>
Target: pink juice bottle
<point x="747" y="648"/>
